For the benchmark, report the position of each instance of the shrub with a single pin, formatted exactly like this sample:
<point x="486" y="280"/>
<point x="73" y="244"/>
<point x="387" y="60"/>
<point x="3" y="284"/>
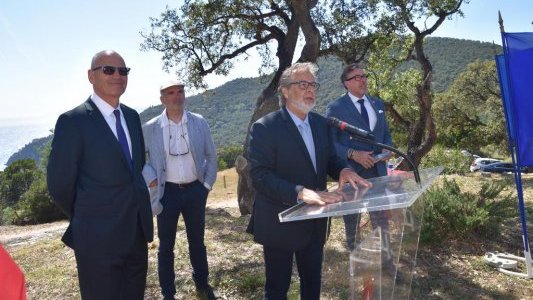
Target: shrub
<point x="36" y="205"/>
<point x="453" y="161"/>
<point x="227" y="155"/>
<point x="451" y="213"/>
<point x="16" y="179"/>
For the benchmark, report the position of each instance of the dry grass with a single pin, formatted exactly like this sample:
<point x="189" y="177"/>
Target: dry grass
<point x="452" y="270"/>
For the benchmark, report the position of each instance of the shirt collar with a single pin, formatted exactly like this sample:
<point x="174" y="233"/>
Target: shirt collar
<point x="165" y="121"/>
<point x="104" y="107"/>
<point x="354" y="98"/>
<point x="297" y="121"/>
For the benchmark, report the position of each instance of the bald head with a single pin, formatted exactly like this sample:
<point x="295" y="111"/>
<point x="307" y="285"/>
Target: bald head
<point x="97" y="58"/>
<point x="109" y="83"/>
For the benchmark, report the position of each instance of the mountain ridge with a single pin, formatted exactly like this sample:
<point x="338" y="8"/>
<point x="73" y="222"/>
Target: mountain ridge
<point x="228" y="108"/>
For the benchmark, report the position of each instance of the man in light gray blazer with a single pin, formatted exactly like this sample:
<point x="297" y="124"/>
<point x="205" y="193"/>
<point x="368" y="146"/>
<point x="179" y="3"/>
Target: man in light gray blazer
<point x="181" y="169"/>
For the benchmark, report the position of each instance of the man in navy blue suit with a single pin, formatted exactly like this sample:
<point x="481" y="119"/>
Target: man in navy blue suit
<point x="358" y="108"/>
<point x="94" y="176"/>
<point x="291" y="153"/>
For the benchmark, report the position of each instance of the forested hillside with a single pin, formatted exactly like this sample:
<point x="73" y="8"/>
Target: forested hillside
<point x="228" y="108"/>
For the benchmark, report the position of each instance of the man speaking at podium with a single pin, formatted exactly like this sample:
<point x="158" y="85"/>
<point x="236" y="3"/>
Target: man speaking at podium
<point x="291" y="153"/>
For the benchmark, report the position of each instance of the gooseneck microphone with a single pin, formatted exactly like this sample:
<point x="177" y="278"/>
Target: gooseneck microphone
<point x="343" y="126"/>
<point x="367" y="137"/>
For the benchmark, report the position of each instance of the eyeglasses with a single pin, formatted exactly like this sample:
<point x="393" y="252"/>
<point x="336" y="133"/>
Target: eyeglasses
<point x="305" y="85"/>
<point x="176" y="148"/>
<point x="110" y="70"/>
<point x="357" y="77"/>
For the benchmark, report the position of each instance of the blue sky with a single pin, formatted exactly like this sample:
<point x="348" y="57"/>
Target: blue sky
<point x="46" y="47"/>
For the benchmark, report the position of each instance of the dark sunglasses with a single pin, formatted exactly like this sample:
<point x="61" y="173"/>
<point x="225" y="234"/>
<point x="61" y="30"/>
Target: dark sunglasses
<point x="110" y="70"/>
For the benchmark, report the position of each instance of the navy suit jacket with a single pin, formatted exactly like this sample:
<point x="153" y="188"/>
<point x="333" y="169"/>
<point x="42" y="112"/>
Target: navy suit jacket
<point x="345" y="110"/>
<point x="89" y="179"/>
<point x="279" y="162"/>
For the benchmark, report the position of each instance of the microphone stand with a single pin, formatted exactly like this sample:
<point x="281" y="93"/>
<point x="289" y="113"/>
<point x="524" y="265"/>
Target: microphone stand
<point x="405" y="156"/>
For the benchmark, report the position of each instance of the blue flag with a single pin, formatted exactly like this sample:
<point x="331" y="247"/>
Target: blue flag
<point x="517" y="92"/>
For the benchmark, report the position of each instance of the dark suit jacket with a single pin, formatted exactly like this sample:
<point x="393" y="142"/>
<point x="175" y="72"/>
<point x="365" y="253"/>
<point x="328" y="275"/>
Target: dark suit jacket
<point x="344" y="109"/>
<point x="89" y="178"/>
<point x="279" y="162"/>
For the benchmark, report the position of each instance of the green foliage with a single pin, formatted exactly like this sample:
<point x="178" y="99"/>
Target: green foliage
<point x="451" y="213"/>
<point x="469" y="114"/>
<point x="32" y="150"/>
<point x="36" y="205"/>
<point x="227" y="156"/>
<point x="24" y="193"/>
<point x="453" y="161"/>
<point x="16" y="179"/>
<point x="228" y="108"/>
<point x="8" y="215"/>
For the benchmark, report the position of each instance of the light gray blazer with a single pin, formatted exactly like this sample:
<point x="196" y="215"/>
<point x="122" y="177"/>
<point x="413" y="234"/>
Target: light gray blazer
<point x="200" y="144"/>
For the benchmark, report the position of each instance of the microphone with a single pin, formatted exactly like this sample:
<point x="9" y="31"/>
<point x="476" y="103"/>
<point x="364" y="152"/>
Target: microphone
<point x="343" y="126"/>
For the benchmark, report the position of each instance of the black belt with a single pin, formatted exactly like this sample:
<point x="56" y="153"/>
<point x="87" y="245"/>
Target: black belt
<point x="183" y="185"/>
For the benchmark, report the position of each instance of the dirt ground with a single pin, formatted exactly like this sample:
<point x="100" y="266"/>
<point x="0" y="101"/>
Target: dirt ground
<point x="453" y="269"/>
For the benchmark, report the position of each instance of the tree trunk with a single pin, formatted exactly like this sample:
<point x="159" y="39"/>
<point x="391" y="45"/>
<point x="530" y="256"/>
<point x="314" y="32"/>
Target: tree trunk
<point x="420" y="142"/>
<point x="266" y="103"/>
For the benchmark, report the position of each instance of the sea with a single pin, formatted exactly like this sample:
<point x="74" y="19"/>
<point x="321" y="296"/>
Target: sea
<point x="15" y="135"/>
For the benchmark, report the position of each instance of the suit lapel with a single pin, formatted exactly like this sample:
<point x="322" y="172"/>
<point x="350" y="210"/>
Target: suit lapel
<point x="102" y="126"/>
<point x="158" y="138"/>
<point x="380" y="117"/>
<point x="134" y="136"/>
<point x="293" y="130"/>
<point x="192" y="132"/>
<point x="314" y="129"/>
<point x="353" y="116"/>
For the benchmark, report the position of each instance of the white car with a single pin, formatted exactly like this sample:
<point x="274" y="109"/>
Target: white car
<point x="481" y="161"/>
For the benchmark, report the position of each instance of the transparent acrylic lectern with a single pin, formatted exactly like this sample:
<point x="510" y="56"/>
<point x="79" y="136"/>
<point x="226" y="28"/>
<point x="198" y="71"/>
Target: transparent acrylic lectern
<point x="371" y="248"/>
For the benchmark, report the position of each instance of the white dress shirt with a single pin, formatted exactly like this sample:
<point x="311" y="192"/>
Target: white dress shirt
<point x="372" y="118"/>
<point x="107" y="112"/>
<point x="180" y="168"/>
<point x="307" y="135"/>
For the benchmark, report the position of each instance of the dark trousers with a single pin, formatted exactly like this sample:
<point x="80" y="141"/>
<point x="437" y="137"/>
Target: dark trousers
<point x="190" y="202"/>
<point x="278" y="271"/>
<point x="351" y="224"/>
<point x="117" y="277"/>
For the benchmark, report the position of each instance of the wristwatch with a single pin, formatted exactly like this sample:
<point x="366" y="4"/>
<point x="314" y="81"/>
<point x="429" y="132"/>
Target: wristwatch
<point x="298" y="189"/>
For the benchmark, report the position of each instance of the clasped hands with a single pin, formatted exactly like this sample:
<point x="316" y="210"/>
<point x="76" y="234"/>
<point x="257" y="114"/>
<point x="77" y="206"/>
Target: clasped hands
<point x="347" y="175"/>
<point x="366" y="158"/>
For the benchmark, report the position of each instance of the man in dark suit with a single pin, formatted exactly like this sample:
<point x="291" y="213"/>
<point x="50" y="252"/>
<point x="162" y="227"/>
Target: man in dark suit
<point x="358" y="108"/>
<point x="94" y="175"/>
<point x="291" y="153"/>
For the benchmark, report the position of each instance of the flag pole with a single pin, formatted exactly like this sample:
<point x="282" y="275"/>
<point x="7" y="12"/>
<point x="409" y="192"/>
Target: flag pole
<point x="513" y="149"/>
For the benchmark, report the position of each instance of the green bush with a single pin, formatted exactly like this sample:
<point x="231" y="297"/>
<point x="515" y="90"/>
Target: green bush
<point x="8" y="216"/>
<point x="453" y="161"/>
<point x="227" y="155"/>
<point x="36" y="205"/>
<point x="24" y="197"/>
<point x="16" y="179"/>
<point x="451" y="213"/>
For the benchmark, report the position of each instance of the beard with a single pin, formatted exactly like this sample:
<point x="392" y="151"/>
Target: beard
<point x="302" y="106"/>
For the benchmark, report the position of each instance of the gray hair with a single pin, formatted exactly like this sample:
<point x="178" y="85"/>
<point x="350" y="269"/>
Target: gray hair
<point x="286" y="76"/>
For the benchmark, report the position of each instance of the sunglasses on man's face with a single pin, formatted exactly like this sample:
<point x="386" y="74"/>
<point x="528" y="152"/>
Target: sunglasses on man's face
<point x="110" y="70"/>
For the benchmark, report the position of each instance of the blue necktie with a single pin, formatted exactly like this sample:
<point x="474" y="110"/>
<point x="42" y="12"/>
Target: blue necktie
<point x="364" y="113"/>
<point x="122" y="140"/>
